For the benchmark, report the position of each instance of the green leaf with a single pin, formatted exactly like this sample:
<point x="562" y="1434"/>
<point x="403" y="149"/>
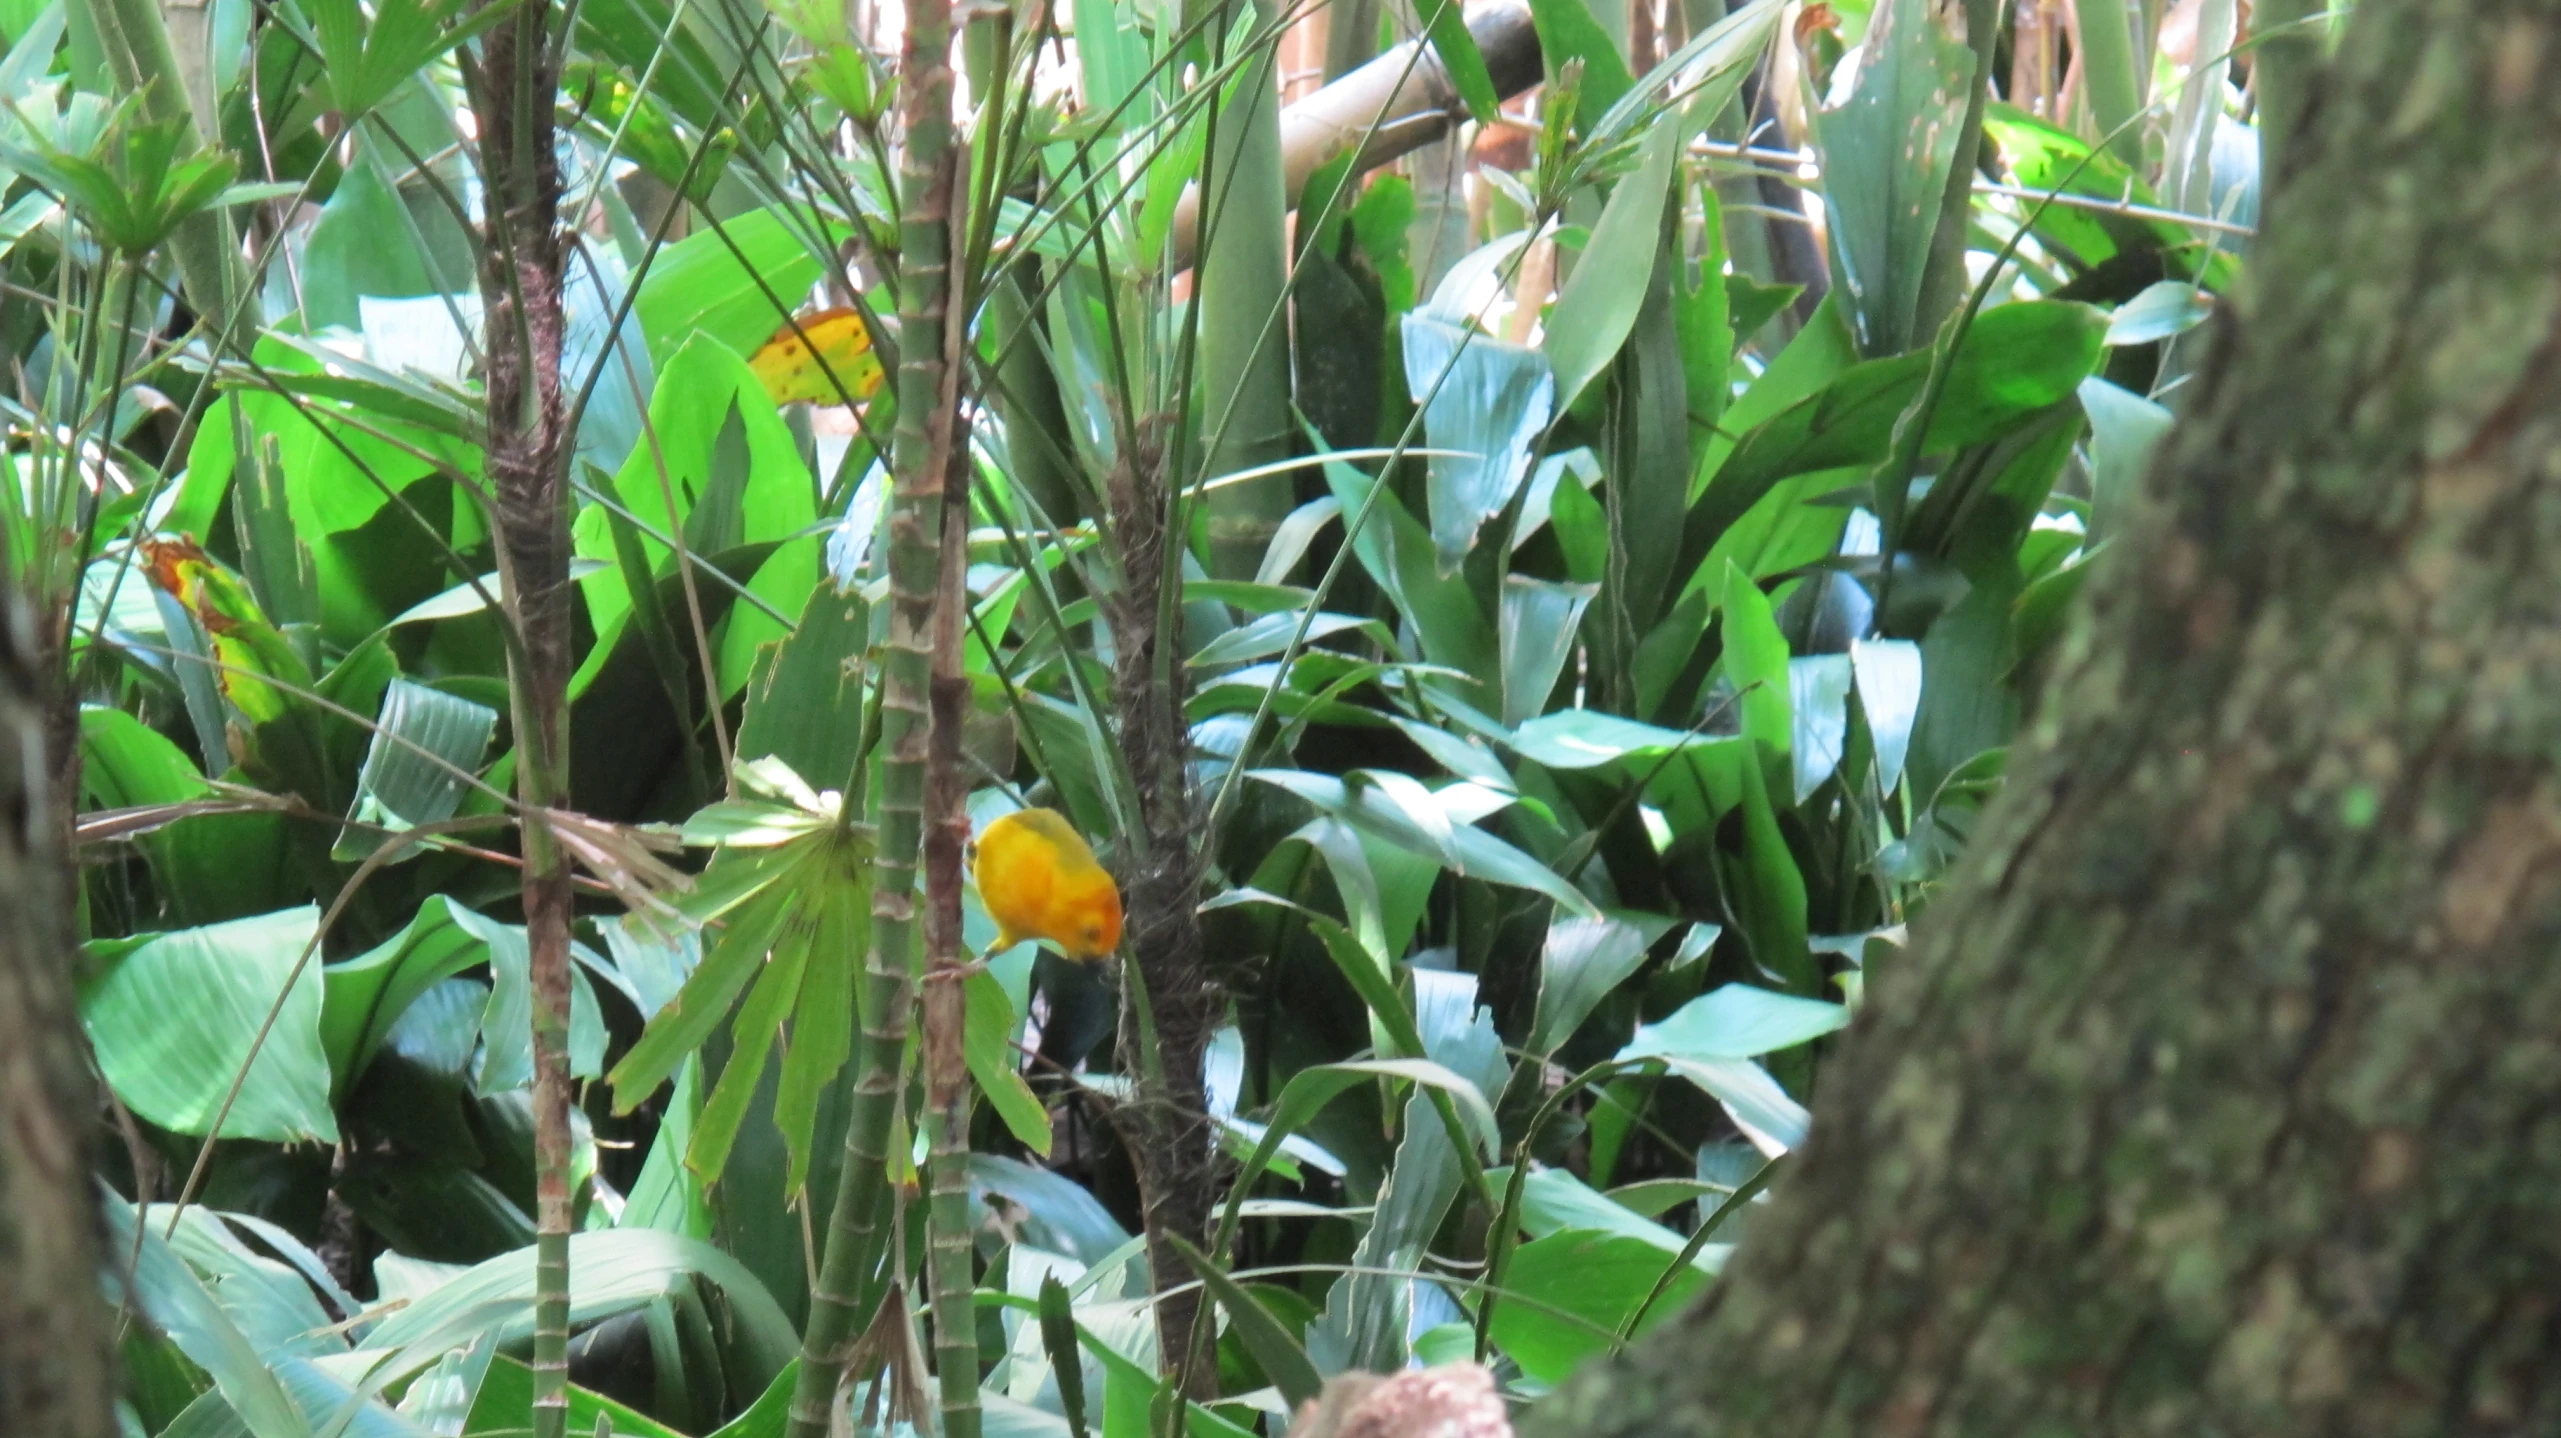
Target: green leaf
<point x="802" y="706"/>
<point x="1445" y="21"/>
<point x="1311" y="1088"/>
<point x="752" y="1035"/>
<point x="1588" y="738"/>
<point x="1567" y="31"/>
<point x="1737" y="1021"/>
<point x="503" y="1405"/>
<point x="1886" y="156"/>
<point x="1584" y="960"/>
<point x="1967" y="704"/>
<point x="366" y="995"/>
<point x="1756" y="661"/>
<point x="1058" y="1340"/>
<point x="424" y="741"/>
<point x="1571" y="1292"/>
<point x="364" y="57"/>
<point x="1540" y="621"/>
<point x="678" y="1030"/>
<point x="990" y="1051"/>
<point x="702" y="478"/>
<point x="611" y="1272"/>
<point x="667" y="1195"/>
<point x="1460" y="846"/>
<point x="1283" y="1359"/>
<point x="1484" y="402"/>
<point x="1765" y="887"/>
<point x="173" y="1018"/>
<point x="1819" y="703"/>
<point x="1598" y="306"/>
<point x="2124" y="430"/>
<point x="1889" y="689"/>
<point x="2165" y="308"/>
<point x="177" y="1303"/>
<point x="1773" y="1122"/>
<point x="716" y="283"/>
<point x="2015" y="361"/>
<point x="1063" y="1216"/>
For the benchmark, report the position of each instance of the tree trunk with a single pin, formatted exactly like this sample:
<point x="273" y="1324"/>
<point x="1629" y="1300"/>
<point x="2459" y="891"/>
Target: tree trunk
<point x="56" y="1375"/>
<point x="521" y="268"/>
<point x="2218" y="1095"/>
<point x="1167" y="1128"/>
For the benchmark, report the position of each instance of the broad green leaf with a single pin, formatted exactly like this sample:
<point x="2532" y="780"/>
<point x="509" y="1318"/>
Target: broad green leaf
<point x="700" y="478"/>
<point x="1598" y="306"/>
<point x="2124" y="430"/>
<point x="805" y="704"/>
<point x="1588" y="738"/>
<point x="1469" y="851"/>
<point x="424" y="741"/>
<point x="1445" y="21"/>
<point x="2016" y="360"/>
<point x="668" y="1195"/>
<point x="1584" y="960"/>
<point x="1061" y="1215"/>
<point x="177" y="1303"/>
<point x="702" y="285"/>
<point x="1112" y="58"/>
<point x="1889" y="690"/>
<point x="174" y="1017"/>
<point x="1773" y="1122"/>
<point x="1554" y="1200"/>
<point x="1567" y="31"/>
<point x="1540" y="620"/>
<point x="2165" y="308"/>
<point x="1767" y="890"/>
<point x="1756" y="662"/>
<point x="1283" y="1359"/>
<point x="1819" y="700"/>
<point x="611" y="1272"/>
<point x="1967" y="705"/>
<point x="274" y="1305"/>
<point x="1736" y="1021"/>
<point x="366" y="995"/>
<point x="504" y="1401"/>
<point x="1397" y="551"/>
<point x="1886" y="156"/>
<point x="506" y="1027"/>
<point x="990" y="1051"/>
<point x="1570" y="1292"/>
<point x="1484" y="403"/>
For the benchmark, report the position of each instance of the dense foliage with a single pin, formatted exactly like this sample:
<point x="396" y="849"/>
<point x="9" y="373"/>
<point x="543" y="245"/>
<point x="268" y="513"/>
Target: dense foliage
<point x="1592" y="649"/>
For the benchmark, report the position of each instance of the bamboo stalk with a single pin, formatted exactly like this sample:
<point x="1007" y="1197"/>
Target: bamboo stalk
<point x="920" y="454"/>
<point x="948" y="1094"/>
<point x="1244" y="279"/>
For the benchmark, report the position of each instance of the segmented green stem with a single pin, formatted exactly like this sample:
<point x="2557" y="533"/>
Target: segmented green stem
<point x="919" y="455"/>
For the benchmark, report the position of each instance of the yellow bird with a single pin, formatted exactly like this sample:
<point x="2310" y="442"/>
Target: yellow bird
<point x="1039" y="881"/>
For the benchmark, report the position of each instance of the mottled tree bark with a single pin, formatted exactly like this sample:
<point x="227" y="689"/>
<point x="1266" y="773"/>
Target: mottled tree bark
<point x="1167" y="1128"/>
<point x="2222" y="1093"/>
<point x="521" y="271"/>
<point x="56" y="1374"/>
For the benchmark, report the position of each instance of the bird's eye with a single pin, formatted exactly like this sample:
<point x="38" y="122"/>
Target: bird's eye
<point x="1093" y="935"/>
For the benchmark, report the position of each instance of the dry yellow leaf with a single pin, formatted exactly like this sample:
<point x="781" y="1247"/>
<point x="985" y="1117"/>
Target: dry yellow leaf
<point x="790" y="365"/>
